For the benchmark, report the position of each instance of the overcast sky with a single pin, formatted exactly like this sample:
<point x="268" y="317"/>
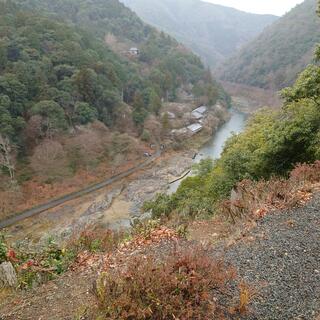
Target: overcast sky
<point x="277" y="7"/>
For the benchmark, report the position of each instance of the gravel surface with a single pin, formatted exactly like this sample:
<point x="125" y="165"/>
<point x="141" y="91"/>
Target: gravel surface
<point x="281" y="259"/>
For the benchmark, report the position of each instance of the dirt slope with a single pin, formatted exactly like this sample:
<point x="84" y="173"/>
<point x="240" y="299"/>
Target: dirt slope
<point x="279" y="259"/>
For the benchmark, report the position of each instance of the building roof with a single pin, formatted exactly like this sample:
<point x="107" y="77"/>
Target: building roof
<point x="134" y="49"/>
<point x="195" y="127"/>
<point x="197" y="115"/>
<point x="201" y="109"/>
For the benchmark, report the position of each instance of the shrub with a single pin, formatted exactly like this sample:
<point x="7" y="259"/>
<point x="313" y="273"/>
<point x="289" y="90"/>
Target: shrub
<point x="36" y="268"/>
<point x="145" y="135"/>
<point x="95" y="240"/>
<point x="3" y="249"/>
<point x="306" y="172"/>
<point x="144" y="228"/>
<point x="160" y="207"/>
<point x="186" y="284"/>
<point x="256" y="198"/>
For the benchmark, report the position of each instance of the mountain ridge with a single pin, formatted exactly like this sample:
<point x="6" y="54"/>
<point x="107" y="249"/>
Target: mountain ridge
<point x="202" y="26"/>
<point x="275" y="58"/>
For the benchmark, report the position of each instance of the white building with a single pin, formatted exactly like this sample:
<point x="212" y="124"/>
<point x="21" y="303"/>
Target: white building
<point x="196" y="115"/>
<point x="202" y="109"/>
<point x="134" y="51"/>
<point x="195" y="128"/>
<point x="199" y="112"/>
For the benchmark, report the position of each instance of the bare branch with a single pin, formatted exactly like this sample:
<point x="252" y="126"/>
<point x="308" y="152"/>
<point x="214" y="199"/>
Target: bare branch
<point x="6" y="155"/>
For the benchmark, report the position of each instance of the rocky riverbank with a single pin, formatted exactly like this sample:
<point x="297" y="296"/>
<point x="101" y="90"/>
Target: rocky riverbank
<point x="156" y="180"/>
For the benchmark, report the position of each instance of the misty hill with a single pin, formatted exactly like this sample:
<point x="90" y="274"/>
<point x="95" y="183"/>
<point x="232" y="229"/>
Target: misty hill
<point x="212" y="31"/>
<point x="274" y="59"/>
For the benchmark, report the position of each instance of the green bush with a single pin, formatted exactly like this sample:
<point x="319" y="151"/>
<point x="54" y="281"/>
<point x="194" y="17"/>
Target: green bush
<point x="146" y="136"/>
<point x="3" y="249"/>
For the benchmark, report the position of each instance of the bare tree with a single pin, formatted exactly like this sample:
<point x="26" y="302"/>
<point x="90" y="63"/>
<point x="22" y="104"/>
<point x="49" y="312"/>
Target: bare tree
<point x="6" y="160"/>
<point x="49" y="160"/>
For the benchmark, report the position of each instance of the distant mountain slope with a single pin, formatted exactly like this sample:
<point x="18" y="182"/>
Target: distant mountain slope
<point x="274" y="59"/>
<point x="212" y="31"/>
<point x="162" y="58"/>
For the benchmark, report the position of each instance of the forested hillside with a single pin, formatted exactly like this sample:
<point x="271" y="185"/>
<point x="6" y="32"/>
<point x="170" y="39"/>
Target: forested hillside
<point x="162" y="59"/>
<point x="69" y="101"/>
<point x="55" y="74"/>
<point x="212" y="31"/>
<point x="273" y="143"/>
<point x="274" y="59"/>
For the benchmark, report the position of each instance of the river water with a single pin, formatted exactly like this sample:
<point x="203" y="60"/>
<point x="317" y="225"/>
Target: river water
<point x="214" y="147"/>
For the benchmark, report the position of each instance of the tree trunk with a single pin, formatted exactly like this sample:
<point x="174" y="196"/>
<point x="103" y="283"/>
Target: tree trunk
<point x="8" y="276"/>
<point x="5" y="156"/>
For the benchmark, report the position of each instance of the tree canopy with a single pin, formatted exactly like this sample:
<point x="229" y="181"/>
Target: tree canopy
<point x="54" y="70"/>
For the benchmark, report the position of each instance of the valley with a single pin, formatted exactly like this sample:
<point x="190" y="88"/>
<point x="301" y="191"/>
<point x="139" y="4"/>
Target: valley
<point x="159" y="160"/>
<point x="120" y="201"/>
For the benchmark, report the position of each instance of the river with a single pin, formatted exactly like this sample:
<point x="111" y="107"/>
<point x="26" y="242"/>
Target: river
<point x="214" y="147"/>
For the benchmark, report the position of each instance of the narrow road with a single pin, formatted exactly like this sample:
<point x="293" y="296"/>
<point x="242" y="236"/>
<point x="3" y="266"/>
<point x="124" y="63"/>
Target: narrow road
<point x="77" y="194"/>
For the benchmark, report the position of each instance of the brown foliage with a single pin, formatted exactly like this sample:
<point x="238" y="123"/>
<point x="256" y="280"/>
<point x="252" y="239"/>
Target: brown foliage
<point x="255" y="97"/>
<point x="306" y="173"/>
<point x="6" y="158"/>
<point x="186" y="284"/>
<point x="256" y="198"/>
<point x="33" y="131"/>
<point x="154" y="127"/>
<point x="8" y="201"/>
<point x="246" y="296"/>
<point x="124" y="122"/>
<point x="95" y="239"/>
<point x="49" y="160"/>
<point x="87" y="148"/>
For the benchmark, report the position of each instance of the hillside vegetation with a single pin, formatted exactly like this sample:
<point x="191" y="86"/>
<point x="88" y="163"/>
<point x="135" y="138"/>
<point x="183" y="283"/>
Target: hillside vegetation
<point x="275" y="58"/>
<point x="69" y="101"/>
<point x="212" y="31"/>
<point x="271" y="145"/>
<point x="260" y="264"/>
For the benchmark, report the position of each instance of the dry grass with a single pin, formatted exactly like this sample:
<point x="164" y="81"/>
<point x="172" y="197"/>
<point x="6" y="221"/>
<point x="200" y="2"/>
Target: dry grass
<point x="246" y="295"/>
<point x="256" y="198"/>
<point x="186" y="284"/>
<point x="94" y="239"/>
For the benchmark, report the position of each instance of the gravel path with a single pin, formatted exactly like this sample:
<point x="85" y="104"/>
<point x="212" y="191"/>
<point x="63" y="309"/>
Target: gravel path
<point x="281" y="258"/>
